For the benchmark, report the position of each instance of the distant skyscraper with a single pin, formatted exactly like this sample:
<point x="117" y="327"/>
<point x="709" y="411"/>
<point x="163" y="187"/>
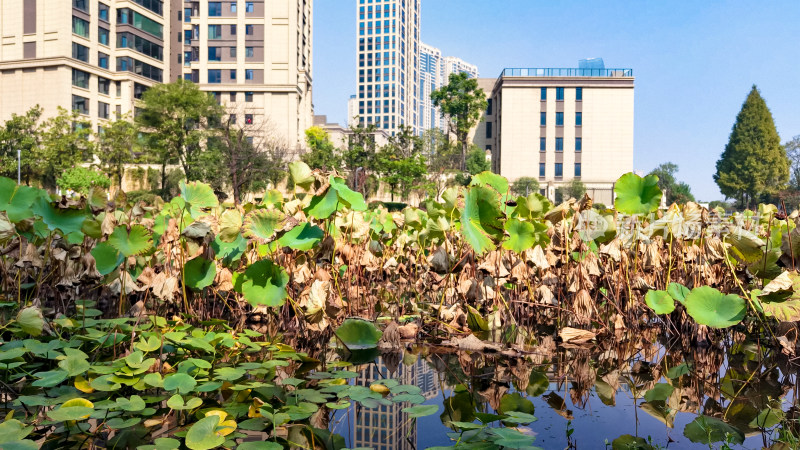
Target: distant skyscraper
<point x="430" y="79"/>
<point x="451" y="64"/>
<point x="388" y="63"/>
<point x="434" y="72"/>
<point x="352" y="111"/>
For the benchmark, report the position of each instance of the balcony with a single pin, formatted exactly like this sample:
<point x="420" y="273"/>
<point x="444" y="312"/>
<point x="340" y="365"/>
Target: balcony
<point x="550" y="72"/>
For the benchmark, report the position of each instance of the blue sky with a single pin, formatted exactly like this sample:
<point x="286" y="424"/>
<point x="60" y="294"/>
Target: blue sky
<point x="694" y="61"/>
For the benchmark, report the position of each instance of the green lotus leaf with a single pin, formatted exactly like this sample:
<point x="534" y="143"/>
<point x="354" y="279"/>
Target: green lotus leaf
<point x="12" y="430"/>
<point x="660" y="301"/>
<point x="746" y="245"/>
<point x="16" y="200"/>
<point x="768" y="417"/>
<point x="302" y="237"/>
<point x="229" y="252"/>
<point x="230" y="225"/>
<point x="30" y="320"/>
<point x="176" y="402"/>
<point x="511" y="438"/>
<point x="352" y="199"/>
<point x="118" y="423"/>
<point x="263" y="223"/>
<point x="272" y="197"/>
<point x="481" y="219"/>
<point x="228" y="373"/>
<point x="322" y="206"/>
<point x="421" y="411"/>
<point x="677" y="371"/>
<point x="135" y="242"/>
<point x="66" y="220"/>
<point x="74" y="365"/>
<point x="203" y="434"/>
<point x="475" y="321"/>
<point x="515" y="402"/>
<point x="708" y="306"/>
<point x="263" y="283"/>
<point x="107" y="258"/>
<point x="707" y="430"/>
<point x="519" y="417"/>
<point x="199" y="273"/>
<point x="678" y="291"/>
<point x="521" y="235"/>
<point x="182" y="382"/>
<point x="637" y="195"/>
<point x="64" y="414"/>
<point x="358" y="334"/>
<point x="133" y="404"/>
<point x="628" y="442"/>
<point x="497" y="182"/>
<point x="263" y="445"/>
<point x="50" y="378"/>
<point x="198" y="196"/>
<point x="531" y="207"/>
<point x="659" y="392"/>
<point x="301" y="174"/>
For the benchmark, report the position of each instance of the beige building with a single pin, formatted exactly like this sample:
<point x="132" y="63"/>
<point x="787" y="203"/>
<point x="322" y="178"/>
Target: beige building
<point x="557" y="125"/>
<point x="99" y="56"/>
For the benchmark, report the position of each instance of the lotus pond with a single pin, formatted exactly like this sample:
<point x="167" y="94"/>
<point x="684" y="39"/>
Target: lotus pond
<point x="476" y="320"/>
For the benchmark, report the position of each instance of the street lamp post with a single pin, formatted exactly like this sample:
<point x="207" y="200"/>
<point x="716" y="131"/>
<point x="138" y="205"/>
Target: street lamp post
<point x="19" y="167"/>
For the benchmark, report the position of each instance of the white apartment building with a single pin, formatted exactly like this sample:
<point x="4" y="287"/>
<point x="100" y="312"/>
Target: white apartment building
<point x="584" y="132"/>
<point x="388" y="46"/>
<point x="434" y="73"/>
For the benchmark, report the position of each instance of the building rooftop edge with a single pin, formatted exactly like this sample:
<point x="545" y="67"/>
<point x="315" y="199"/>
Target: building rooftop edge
<point x="566" y="72"/>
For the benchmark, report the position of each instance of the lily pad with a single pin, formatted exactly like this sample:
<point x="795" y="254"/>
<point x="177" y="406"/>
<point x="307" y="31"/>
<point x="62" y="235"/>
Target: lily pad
<point x="358" y="334"/>
<point x="637" y="195"/>
<point x="302" y="237"/>
<point x="263" y="283"/>
<point x="199" y="273"/>
<point x="660" y="301"/>
<point x="707" y="430"/>
<point x="708" y="306"/>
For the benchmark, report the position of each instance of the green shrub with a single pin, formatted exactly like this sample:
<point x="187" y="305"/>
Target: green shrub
<point x="141" y="195"/>
<point x="81" y="179"/>
<point x="390" y="206"/>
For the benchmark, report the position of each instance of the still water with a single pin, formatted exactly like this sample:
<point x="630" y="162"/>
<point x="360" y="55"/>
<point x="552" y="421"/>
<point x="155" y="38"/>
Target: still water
<point x="582" y="397"/>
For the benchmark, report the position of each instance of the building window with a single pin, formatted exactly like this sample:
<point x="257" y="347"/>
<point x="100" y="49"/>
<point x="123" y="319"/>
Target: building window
<point x="541" y="169"/>
<point x="542" y="144"/>
<point x="249" y="52"/>
<point x="559" y="94"/>
<point x="126" y="16"/>
<point x="248" y="30"/>
<point x="187" y="15"/>
<point x="248" y="119"/>
<point x="578" y="144"/>
<point x="559" y="119"/>
<point x="102" y="60"/>
<point x="232" y="119"/>
<point x="577" y="169"/>
<point x="233" y="74"/>
<point x="102" y="12"/>
<point x="214" y="9"/>
<point x="579" y="94"/>
<point x="102" y="35"/>
<point x="233" y="96"/>
<point x="80" y="4"/>
<point x="80" y="52"/>
<point x="578" y="119"/>
<point x="214" y="54"/>
<point x="80" y="104"/>
<point x="103" y="85"/>
<point x="214" y="76"/>
<point x="248" y="74"/>
<point x="544" y="94"/>
<point x="248" y="7"/>
<point x="103" y="110"/>
<point x="215" y="31"/>
<point x="559" y="144"/>
<point x="489" y="107"/>
<point x="157" y="6"/>
<point x="80" y="27"/>
<point x="233" y="9"/>
<point x="248" y="97"/>
<point x="141" y="45"/>
<point x="233" y="30"/>
<point x="559" y="170"/>
<point x="542" y="118"/>
<point x="488" y="130"/>
<point x="80" y="78"/>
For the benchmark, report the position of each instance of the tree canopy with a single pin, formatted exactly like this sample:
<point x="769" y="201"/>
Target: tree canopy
<point x="675" y="191"/>
<point x="754" y="161"/>
<point x="461" y="102"/>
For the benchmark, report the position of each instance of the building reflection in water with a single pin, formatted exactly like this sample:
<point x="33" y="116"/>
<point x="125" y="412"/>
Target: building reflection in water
<point x="388" y="427"/>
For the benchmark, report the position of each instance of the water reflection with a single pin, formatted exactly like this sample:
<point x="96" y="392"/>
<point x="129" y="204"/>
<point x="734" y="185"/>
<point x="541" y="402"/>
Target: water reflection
<point x="583" y="394"/>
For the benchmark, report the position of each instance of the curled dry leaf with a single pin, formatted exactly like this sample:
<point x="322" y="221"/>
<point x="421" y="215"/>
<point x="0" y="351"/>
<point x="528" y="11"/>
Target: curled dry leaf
<point x="575" y="335"/>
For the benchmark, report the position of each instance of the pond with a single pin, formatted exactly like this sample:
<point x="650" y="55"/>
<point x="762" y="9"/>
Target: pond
<point x="583" y="396"/>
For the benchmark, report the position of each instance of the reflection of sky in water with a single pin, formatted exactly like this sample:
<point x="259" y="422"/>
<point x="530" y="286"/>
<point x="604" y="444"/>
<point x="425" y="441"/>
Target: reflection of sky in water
<point x="387" y="427"/>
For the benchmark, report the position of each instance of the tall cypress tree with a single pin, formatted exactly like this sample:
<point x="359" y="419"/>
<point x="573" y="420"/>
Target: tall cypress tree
<point x="754" y="161"/>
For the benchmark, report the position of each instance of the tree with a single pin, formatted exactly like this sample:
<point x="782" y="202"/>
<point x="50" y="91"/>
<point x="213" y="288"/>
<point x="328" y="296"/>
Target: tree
<point x="575" y="189"/>
<point x="476" y="161"/>
<point x="177" y="117"/>
<point x="65" y="144"/>
<point x="400" y="162"/>
<point x="359" y="159"/>
<point x="322" y="154"/>
<point x="525" y="186"/>
<point x="461" y="102"/>
<point x="754" y="161"/>
<point x="675" y="191"/>
<point x="20" y="132"/>
<point x="793" y="153"/>
<point x="80" y="180"/>
<point x="117" y="143"/>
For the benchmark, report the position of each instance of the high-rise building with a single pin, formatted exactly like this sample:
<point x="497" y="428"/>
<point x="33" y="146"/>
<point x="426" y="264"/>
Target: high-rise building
<point x="388" y="63"/>
<point x="451" y="64"/>
<point x="255" y="56"/>
<point x="430" y="79"/>
<point x="585" y="131"/>
<point x="352" y="111"/>
<point x="434" y="73"/>
<point x="99" y="56"/>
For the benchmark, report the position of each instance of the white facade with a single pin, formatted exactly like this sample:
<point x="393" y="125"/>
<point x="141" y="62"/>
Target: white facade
<point x="451" y="65"/>
<point x="352" y="111"/>
<point x="430" y="79"/>
<point x="388" y="63"/>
